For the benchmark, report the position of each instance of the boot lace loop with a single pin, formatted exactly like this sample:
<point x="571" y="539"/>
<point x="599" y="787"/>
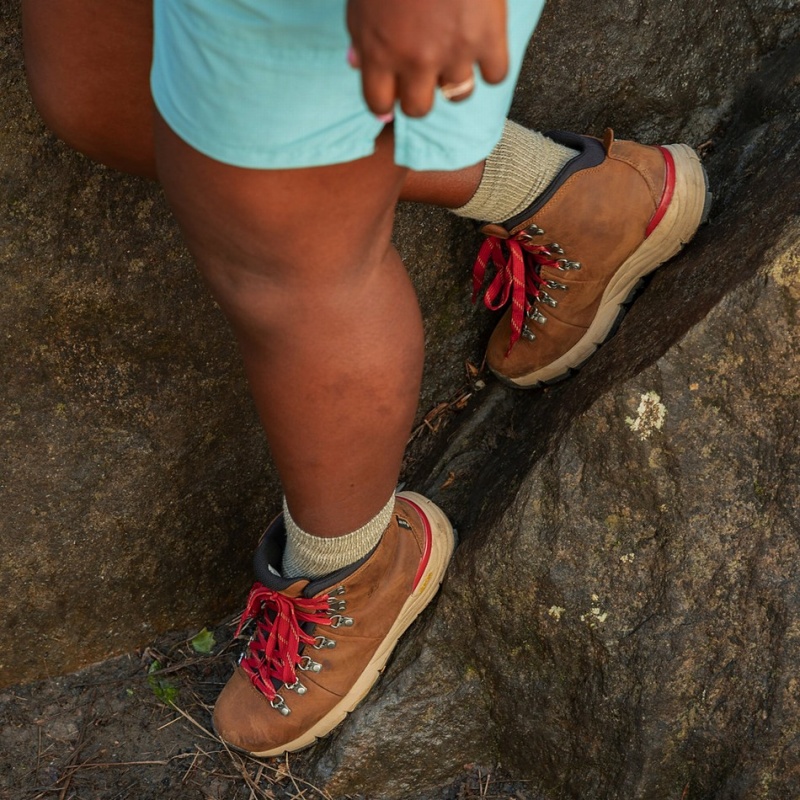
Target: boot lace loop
<point x="517" y="263"/>
<point x="274" y="649"/>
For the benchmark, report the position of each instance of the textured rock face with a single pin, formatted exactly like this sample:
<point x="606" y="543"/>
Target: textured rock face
<point x="623" y="619"/>
<point x="131" y="475"/>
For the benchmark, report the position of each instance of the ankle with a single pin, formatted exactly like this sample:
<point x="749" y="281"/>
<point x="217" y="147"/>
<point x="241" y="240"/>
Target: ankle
<point x="310" y="556"/>
<point x="522" y="165"/>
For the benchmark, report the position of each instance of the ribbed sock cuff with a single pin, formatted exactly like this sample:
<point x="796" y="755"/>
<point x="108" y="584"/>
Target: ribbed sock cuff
<point x="309" y="556"/>
<point x="521" y="166"/>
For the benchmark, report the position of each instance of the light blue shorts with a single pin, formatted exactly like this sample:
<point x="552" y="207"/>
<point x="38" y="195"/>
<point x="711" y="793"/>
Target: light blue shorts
<point x="266" y="84"/>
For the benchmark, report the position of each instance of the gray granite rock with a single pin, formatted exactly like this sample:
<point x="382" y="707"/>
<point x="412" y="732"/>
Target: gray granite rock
<point x="132" y="474"/>
<point x="621" y="620"/>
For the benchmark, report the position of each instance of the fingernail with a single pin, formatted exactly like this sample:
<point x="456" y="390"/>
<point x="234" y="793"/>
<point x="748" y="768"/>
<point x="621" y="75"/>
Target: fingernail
<point x="384" y="118"/>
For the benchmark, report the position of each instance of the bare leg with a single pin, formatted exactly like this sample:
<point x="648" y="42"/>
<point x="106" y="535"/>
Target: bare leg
<point x="88" y="66"/>
<point x="299" y="260"/>
<point x="324" y="314"/>
<point x="445" y="189"/>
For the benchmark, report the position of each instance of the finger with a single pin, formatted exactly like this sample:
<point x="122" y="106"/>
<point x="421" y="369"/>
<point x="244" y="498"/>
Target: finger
<point x="380" y="89"/>
<point x="493" y="62"/>
<point x="416" y="92"/>
<point x="353" y="59"/>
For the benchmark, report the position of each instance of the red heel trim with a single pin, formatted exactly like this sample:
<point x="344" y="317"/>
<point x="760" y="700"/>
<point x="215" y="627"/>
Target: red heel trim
<point x="426" y="554"/>
<point x="669" y="190"/>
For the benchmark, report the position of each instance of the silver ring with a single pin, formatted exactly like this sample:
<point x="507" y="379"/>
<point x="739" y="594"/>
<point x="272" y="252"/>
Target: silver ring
<point x="458" y="91"/>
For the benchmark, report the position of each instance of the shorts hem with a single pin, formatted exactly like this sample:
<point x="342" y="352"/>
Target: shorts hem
<point x="278" y="158"/>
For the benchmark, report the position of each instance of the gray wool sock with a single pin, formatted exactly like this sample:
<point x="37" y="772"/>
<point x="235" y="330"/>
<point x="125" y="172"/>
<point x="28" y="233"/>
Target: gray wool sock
<point x="521" y="166"/>
<point x="309" y="556"/>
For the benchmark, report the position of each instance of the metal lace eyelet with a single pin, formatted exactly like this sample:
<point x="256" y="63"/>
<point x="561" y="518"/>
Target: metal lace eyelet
<point x="545" y="298"/>
<point x="297" y="687"/>
<point x="534" y="230"/>
<point x="309" y="665"/>
<point x="338" y="621"/>
<point x="337" y="591"/>
<point x="279" y="704"/>
<point x="536" y="315"/>
<point x="403" y="523"/>
<point x="555" y="285"/>
<point x="323" y="643"/>
<point x="336" y="605"/>
<point x="565" y="264"/>
<point x="555" y="247"/>
<point x="527" y="333"/>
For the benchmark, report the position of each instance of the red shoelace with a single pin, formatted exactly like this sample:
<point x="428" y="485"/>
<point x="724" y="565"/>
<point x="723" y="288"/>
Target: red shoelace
<point x="274" y="648"/>
<point x="517" y="263"/>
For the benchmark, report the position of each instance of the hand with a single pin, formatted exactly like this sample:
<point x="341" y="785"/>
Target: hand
<point x="406" y="48"/>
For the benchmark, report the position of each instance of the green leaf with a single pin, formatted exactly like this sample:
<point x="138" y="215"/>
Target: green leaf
<point x="204" y="642"/>
<point x="163" y="689"/>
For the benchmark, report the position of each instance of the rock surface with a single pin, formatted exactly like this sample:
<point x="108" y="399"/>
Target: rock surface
<point x="622" y="618"/>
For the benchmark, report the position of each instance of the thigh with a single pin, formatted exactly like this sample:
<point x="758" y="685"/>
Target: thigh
<point x="88" y="65"/>
<point x="310" y="231"/>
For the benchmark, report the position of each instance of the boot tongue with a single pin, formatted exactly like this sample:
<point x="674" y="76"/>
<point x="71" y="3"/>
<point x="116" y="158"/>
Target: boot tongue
<point x="295" y="588"/>
<point x="493" y="229"/>
<point x="268" y="558"/>
<point x="290" y="587"/>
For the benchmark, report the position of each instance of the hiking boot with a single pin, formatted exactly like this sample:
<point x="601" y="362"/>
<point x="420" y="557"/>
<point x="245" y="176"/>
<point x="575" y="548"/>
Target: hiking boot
<point x="318" y="646"/>
<point x="571" y="261"/>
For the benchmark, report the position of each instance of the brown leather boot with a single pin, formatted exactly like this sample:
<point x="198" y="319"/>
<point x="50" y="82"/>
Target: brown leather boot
<point x="318" y="647"/>
<point x="570" y="262"/>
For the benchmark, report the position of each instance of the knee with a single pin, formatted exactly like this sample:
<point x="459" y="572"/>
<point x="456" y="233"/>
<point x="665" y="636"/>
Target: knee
<point x="96" y="105"/>
<point x="58" y="108"/>
<point x="285" y="280"/>
<point x="89" y="127"/>
<point x="281" y="286"/>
